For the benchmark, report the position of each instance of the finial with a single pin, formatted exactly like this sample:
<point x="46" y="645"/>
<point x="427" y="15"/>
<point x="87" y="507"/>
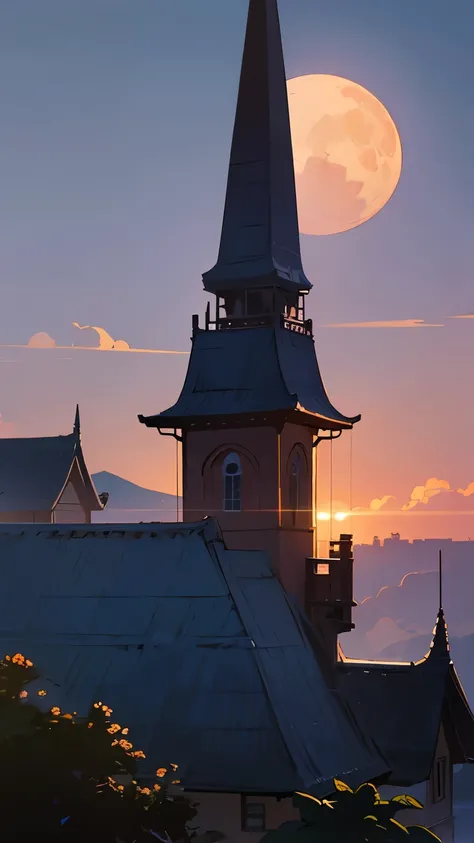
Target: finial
<point x="77" y="423"/>
<point x="440" y="576"/>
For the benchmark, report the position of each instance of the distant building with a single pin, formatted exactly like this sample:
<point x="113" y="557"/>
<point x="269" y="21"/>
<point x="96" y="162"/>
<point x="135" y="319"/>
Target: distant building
<point x="45" y="480"/>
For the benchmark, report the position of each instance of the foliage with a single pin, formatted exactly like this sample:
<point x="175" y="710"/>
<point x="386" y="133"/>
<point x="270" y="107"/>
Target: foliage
<point x="73" y="778"/>
<point x="359" y="816"/>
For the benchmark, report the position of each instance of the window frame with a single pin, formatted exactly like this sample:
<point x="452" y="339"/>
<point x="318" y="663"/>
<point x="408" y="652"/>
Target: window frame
<point x="440" y="779"/>
<point x="294" y="482"/>
<point x="245" y="805"/>
<point x="234" y="481"/>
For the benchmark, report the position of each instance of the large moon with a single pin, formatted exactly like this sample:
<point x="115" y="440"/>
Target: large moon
<point x="347" y="153"/>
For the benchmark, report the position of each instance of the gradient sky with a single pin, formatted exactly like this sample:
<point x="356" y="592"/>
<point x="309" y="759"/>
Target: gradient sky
<point x="116" y="121"/>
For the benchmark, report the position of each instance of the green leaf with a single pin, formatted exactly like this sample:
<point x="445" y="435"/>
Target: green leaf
<point x="398" y="825"/>
<point x="342" y="786"/>
<point x="406" y="801"/>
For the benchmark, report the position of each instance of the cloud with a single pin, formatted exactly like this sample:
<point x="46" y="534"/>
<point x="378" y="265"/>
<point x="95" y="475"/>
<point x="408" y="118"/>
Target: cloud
<point x="106" y="343"/>
<point x="423" y="494"/>
<point x="462" y="316"/>
<point x="378" y="503"/>
<point x="42" y="340"/>
<point x="467" y="492"/>
<point x="394" y="323"/>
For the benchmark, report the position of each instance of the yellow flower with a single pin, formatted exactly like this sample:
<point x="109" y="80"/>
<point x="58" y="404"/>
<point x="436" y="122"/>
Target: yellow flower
<point x="28" y="663"/>
<point x="125" y="731"/>
<point x="55" y="710"/>
<point x="125" y="745"/>
<point x="114" y="743"/>
<point x="146" y="791"/>
<point x="174" y="767"/>
<point x="161" y="772"/>
<point x="42" y="693"/>
<point x="113" y="728"/>
<point x="157" y="787"/>
<point x="67" y="716"/>
<point x="90" y="725"/>
<point x="7" y="658"/>
<point x="23" y="694"/>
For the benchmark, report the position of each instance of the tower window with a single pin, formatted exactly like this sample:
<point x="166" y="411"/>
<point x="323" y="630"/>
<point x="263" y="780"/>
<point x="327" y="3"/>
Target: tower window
<point x="232" y="483"/>
<point x="439" y="780"/>
<point x="295" y="482"/>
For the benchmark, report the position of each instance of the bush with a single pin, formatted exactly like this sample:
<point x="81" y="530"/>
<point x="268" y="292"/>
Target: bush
<point x="75" y="778"/>
<point x="359" y="816"/>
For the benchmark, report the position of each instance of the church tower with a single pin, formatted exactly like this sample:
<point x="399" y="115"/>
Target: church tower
<point x="253" y="406"/>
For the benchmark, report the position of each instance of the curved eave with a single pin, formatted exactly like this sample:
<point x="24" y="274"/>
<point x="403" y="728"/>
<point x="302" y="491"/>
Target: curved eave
<point x="296" y="415"/>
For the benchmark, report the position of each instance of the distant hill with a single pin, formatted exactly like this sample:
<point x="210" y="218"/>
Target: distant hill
<point x="131" y="503"/>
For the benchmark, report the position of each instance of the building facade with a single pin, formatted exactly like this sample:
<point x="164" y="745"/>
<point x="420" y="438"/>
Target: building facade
<point x="46" y="480"/>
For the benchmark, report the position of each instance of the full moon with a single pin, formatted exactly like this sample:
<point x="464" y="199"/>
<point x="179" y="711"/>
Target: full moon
<point x="347" y="153"/>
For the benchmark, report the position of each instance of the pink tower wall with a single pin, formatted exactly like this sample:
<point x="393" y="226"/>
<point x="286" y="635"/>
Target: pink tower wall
<point x="265" y="522"/>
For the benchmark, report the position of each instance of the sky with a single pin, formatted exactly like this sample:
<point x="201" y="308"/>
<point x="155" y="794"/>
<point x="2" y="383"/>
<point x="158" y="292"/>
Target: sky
<point x="116" y="122"/>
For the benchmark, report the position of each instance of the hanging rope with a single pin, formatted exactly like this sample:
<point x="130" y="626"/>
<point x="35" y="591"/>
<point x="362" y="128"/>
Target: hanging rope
<point x="330" y="494"/>
<point x="177" y="480"/>
<point x="350" y="476"/>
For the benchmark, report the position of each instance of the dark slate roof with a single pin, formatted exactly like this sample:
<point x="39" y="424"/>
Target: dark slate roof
<point x="196" y="648"/>
<point x="254" y="370"/>
<point x="260" y="240"/>
<point x="34" y="472"/>
<point x="402" y="705"/>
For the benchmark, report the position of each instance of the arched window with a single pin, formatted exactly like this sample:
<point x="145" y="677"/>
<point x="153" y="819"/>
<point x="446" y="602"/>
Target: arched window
<point x="295" y="479"/>
<point x="232" y="470"/>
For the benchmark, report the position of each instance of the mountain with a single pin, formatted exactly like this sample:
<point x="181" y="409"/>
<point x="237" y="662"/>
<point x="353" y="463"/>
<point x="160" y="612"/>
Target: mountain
<point x="131" y="503"/>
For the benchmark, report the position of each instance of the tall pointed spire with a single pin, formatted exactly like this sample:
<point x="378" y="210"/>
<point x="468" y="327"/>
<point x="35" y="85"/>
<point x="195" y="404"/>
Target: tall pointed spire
<point x="439" y="646"/>
<point x="77" y="423"/>
<point x="260" y="239"/>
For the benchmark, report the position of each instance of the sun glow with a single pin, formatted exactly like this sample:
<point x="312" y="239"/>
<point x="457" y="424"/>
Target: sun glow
<point x="338" y="516"/>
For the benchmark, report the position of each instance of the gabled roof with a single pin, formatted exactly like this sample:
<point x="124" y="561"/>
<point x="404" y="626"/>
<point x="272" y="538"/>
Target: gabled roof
<point x="260" y="239"/>
<point x="402" y="705"/>
<point x="256" y="370"/>
<point x="196" y="648"/>
<point x="35" y="471"/>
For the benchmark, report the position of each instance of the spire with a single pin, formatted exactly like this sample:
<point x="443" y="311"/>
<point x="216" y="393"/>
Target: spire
<point x="77" y="423"/>
<point x="260" y="239"/>
<point x="439" y="646"/>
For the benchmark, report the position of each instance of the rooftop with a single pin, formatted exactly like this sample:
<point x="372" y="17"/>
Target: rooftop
<point x="196" y="648"/>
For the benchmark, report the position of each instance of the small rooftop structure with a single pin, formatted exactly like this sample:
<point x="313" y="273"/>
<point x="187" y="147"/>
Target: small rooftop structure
<point x="45" y="479"/>
<point x="197" y="649"/>
<point x="404" y="705"/>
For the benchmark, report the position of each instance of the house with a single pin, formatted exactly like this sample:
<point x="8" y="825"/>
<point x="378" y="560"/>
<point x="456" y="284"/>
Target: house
<point x="45" y="479"/>
<point x="199" y="651"/>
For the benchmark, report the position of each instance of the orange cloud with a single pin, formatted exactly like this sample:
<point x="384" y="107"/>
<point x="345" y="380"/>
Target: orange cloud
<point x="42" y="340"/>
<point x="394" y="323"/>
<point x="422" y="494"/>
<point x="462" y="316"/>
<point x="467" y="492"/>
<point x="378" y="503"/>
<point x="106" y="343"/>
